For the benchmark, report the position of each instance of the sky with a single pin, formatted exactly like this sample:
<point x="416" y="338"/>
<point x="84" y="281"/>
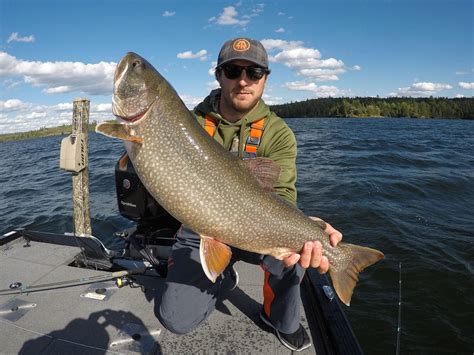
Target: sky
<point x="52" y="52"/>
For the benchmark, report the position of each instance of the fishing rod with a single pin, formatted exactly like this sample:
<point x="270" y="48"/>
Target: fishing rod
<point x="16" y="288"/>
<point x="399" y="327"/>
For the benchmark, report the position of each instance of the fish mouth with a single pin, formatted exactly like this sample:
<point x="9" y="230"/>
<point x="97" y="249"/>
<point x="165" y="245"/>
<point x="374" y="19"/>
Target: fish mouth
<point x="136" y="118"/>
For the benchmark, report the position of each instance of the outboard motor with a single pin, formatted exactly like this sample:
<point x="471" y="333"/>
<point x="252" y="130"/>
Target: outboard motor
<point x="134" y="201"/>
<point x="155" y="228"/>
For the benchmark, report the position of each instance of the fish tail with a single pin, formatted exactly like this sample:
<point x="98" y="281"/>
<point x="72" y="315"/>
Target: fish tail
<point x="345" y="274"/>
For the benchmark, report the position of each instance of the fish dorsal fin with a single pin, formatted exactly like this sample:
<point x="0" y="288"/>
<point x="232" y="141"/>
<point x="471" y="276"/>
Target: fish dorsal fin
<point x="265" y="170"/>
<point x="117" y="130"/>
<point x="215" y="256"/>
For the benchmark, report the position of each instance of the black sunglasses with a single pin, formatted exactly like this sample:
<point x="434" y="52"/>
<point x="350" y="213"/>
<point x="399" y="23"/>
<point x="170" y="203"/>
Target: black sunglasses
<point x="233" y="71"/>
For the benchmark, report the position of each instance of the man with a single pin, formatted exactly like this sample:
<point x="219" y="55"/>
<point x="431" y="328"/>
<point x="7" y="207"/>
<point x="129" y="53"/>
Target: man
<point x="237" y="118"/>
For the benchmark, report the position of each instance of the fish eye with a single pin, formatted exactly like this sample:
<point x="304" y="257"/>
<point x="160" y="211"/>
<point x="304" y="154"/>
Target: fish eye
<point x="137" y="64"/>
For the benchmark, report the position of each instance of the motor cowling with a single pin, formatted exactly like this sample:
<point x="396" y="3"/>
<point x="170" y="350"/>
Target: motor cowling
<point x="134" y="201"/>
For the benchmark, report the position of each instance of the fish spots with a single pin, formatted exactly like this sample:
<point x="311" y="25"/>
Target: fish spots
<point x="208" y="190"/>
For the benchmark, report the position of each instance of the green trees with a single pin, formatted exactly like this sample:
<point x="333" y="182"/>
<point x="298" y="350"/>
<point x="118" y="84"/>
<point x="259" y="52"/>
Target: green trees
<point x="42" y="132"/>
<point x="426" y="107"/>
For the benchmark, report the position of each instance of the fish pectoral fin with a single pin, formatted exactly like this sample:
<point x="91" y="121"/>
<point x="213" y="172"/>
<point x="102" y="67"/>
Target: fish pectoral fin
<point x="215" y="256"/>
<point x="265" y="170"/>
<point x="123" y="162"/>
<point x="117" y="130"/>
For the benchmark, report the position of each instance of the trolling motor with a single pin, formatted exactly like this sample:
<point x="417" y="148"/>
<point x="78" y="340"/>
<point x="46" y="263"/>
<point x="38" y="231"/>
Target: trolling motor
<point x="155" y="227"/>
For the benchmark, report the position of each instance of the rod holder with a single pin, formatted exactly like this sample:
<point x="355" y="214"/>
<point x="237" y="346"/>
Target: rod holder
<point x="80" y="179"/>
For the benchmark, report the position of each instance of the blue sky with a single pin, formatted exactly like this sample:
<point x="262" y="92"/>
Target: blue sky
<point x="54" y="51"/>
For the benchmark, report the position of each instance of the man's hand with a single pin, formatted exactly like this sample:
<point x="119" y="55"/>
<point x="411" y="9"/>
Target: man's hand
<point x="312" y="253"/>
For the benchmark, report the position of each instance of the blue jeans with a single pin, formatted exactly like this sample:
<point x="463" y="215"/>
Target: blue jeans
<point x="189" y="297"/>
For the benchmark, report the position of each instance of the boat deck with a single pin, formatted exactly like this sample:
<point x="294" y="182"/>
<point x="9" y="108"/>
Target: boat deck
<point x="71" y="320"/>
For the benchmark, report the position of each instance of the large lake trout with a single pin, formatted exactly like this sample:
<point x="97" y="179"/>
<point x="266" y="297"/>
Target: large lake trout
<point x="226" y="200"/>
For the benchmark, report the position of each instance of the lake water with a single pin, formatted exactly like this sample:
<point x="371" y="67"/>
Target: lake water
<point x="405" y="187"/>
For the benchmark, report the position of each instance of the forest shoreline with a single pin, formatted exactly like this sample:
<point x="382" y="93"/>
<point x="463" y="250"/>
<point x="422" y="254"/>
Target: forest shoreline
<point x="359" y="107"/>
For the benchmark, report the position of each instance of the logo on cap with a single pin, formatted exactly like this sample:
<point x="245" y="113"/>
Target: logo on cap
<point x="241" y="45"/>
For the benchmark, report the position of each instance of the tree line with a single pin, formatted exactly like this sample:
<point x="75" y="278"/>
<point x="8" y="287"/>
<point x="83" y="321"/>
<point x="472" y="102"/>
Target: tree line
<point x="426" y="107"/>
<point x="42" y="132"/>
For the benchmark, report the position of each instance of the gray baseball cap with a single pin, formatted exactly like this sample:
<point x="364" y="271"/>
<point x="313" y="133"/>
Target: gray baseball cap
<point x="243" y="48"/>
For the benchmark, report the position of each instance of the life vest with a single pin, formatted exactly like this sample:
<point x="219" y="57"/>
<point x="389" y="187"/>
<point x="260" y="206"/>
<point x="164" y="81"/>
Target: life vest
<point x="253" y="140"/>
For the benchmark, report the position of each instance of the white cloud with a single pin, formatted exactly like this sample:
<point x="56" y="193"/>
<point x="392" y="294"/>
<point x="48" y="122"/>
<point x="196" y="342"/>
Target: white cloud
<point x="304" y="61"/>
<point x="15" y="37"/>
<point x="57" y="90"/>
<point x="281" y="14"/>
<point x="229" y="17"/>
<point x="257" y="10"/>
<point x="169" y="13"/>
<point x="34" y="115"/>
<point x="12" y="105"/>
<point x="272" y="44"/>
<point x="201" y="55"/>
<point x="190" y="101"/>
<point x="65" y="106"/>
<point x="18" y="116"/>
<point x="319" y="91"/>
<point x="467" y="86"/>
<point x="102" y="107"/>
<point x="464" y="72"/>
<point x="280" y="30"/>
<point x="212" y="69"/>
<point x="322" y="74"/>
<point x="211" y="85"/>
<point x="297" y="54"/>
<point x="426" y="86"/>
<point x="330" y="63"/>
<point x="421" y="89"/>
<point x="11" y="83"/>
<point x="61" y="77"/>
<point x="272" y="100"/>
<point x="100" y="111"/>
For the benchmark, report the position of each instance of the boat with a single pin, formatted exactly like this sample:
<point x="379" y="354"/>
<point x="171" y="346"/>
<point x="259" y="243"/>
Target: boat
<point x="66" y="292"/>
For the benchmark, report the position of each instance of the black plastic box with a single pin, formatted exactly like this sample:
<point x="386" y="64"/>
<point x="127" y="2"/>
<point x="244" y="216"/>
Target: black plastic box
<point x="134" y="201"/>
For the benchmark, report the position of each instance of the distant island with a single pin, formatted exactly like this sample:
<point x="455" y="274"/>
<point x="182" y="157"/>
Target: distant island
<point x="428" y="107"/>
<point x="42" y="132"/>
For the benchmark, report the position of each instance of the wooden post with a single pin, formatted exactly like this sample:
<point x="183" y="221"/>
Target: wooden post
<point x="80" y="180"/>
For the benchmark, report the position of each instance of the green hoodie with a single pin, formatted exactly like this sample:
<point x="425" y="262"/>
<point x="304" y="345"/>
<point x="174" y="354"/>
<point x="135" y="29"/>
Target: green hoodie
<point x="278" y="142"/>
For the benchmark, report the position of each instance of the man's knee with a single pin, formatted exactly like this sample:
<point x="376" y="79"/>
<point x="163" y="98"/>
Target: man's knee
<point x="180" y="309"/>
<point x="176" y="323"/>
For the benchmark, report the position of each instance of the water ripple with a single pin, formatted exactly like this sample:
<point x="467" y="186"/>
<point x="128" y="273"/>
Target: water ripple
<point x="402" y="186"/>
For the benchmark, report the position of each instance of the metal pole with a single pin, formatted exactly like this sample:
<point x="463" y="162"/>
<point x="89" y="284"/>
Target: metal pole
<point x="399" y="327"/>
<point x="80" y="180"/>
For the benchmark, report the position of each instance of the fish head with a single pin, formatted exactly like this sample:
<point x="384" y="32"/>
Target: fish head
<point x="136" y="88"/>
